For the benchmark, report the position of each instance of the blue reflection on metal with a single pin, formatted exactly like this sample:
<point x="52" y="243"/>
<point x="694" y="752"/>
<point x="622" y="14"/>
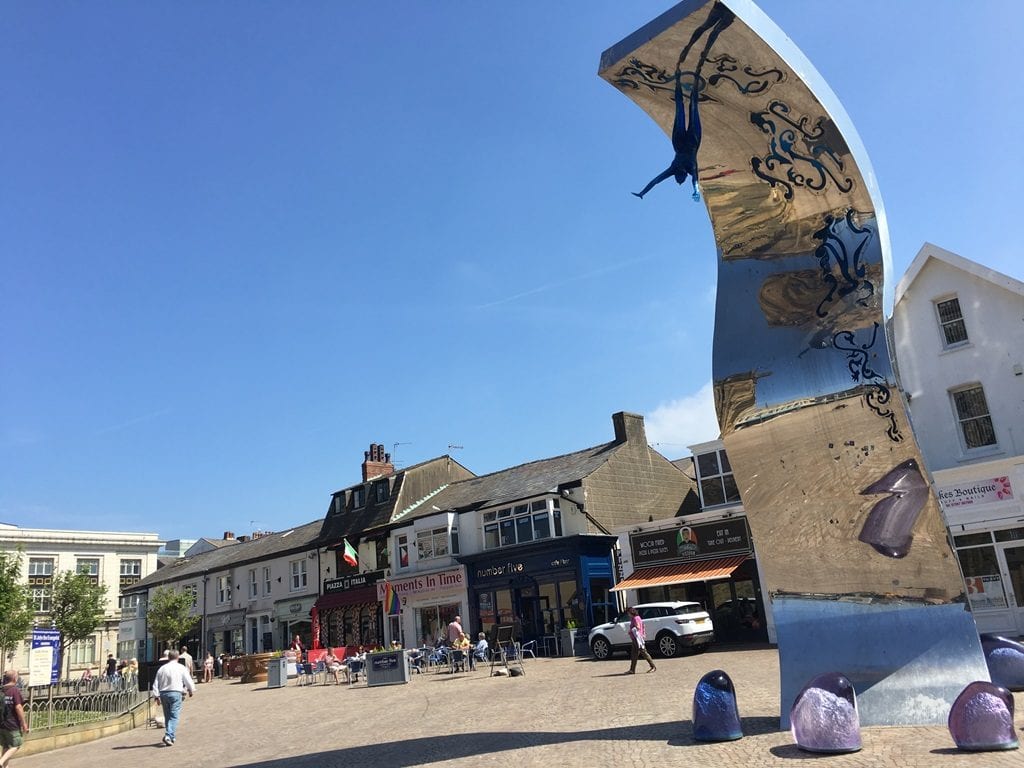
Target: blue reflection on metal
<point x="1005" y="660"/>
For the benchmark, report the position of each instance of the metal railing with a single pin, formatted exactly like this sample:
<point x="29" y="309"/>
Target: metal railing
<point x="74" y="702"/>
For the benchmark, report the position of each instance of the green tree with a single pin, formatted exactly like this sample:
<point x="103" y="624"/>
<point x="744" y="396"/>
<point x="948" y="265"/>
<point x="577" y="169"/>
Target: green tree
<point x="16" y="611"/>
<point x="169" y="615"/>
<point x="76" y="608"/>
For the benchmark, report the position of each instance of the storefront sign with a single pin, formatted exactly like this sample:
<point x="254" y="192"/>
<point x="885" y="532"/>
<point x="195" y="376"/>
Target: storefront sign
<point x="978" y="492"/>
<point x="691" y="542"/>
<point x="352" y="581"/>
<point x="426" y="583"/>
<point x="225" y="621"/>
<point x="504" y="568"/>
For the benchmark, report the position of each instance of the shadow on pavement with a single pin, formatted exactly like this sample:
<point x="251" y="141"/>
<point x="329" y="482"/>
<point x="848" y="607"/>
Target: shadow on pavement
<point x="427" y="750"/>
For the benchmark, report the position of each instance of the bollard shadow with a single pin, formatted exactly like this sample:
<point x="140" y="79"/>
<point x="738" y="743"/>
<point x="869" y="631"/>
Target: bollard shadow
<point x="793" y="752"/>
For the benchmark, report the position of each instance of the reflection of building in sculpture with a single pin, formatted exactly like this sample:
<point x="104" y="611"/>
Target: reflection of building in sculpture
<point x="960" y="349"/>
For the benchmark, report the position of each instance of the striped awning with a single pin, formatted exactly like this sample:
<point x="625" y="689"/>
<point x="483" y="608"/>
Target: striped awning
<point x="681" y="573"/>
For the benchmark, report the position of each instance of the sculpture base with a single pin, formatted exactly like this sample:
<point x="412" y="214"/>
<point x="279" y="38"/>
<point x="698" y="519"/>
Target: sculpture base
<point x="907" y="661"/>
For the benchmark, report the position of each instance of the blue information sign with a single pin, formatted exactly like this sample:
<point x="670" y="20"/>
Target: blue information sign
<point x="49" y="638"/>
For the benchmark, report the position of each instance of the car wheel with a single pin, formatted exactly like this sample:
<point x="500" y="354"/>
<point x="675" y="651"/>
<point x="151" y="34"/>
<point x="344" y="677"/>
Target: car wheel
<point x="601" y="648"/>
<point x="668" y="645"/>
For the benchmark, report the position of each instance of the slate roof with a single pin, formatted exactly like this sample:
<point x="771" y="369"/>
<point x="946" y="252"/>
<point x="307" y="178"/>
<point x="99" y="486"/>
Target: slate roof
<point x="507" y="485"/>
<point x="353" y="523"/>
<point x="299" y="538"/>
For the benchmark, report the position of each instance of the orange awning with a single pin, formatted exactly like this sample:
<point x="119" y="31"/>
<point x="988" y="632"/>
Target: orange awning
<point x="681" y="573"/>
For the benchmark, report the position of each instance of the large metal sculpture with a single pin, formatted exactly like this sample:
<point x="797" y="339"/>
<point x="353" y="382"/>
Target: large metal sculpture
<point x="847" y="528"/>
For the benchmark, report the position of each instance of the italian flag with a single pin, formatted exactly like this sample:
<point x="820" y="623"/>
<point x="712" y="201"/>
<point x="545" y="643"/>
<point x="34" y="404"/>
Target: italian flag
<point x="350" y="554"/>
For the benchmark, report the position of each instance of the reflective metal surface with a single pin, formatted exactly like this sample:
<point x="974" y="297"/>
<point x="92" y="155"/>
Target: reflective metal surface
<point x="845" y="524"/>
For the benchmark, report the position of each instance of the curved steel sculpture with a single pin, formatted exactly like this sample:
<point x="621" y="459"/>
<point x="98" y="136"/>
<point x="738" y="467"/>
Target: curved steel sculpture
<point x="848" y="531"/>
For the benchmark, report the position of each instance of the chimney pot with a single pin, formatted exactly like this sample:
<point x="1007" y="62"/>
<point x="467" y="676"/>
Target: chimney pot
<point x="228" y="535"/>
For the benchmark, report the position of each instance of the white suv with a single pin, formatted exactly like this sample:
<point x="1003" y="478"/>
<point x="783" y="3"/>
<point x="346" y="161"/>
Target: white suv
<point x="669" y="628"/>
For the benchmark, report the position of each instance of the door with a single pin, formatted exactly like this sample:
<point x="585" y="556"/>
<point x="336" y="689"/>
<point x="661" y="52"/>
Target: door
<point x="1012" y="556"/>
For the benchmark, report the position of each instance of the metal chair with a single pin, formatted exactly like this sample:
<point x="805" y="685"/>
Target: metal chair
<point x="528" y="648"/>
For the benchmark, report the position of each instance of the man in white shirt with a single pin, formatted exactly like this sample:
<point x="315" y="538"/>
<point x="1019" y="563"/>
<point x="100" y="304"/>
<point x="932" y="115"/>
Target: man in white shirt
<point x="186" y="658"/>
<point x="171" y="683"/>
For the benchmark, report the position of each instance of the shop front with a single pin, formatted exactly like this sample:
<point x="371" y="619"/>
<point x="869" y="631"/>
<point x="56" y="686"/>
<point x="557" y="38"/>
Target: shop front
<point x="540" y="589"/>
<point x="710" y="563"/>
<point x="225" y="633"/>
<point x="348" y="613"/>
<point x="429" y="602"/>
<point x="293" y="617"/>
<point x="986" y="520"/>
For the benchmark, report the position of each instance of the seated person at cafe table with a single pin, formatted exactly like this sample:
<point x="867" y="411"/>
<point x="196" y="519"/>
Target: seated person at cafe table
<point x="461" y="648"/>
<point x="356" y="664"/>
<point x="333" y="665"/>
<point x="479" y="650"/>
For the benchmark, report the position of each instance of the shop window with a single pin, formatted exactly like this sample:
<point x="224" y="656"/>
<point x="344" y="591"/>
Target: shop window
<point x="976" y="428"/>
<point x="951" y="321"/>
<point x="717" y="484"/>
<point x="982" y="577"/>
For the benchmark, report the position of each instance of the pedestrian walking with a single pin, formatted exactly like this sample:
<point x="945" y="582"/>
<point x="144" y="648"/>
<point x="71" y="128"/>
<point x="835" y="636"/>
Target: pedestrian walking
<point x="638" y="643"/>
<point x="170" y="685"/>
<point x="14" y="726"/>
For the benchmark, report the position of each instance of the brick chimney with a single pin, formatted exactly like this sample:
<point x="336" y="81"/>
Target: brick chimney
<point x="376" y="462"/>
<point x="228" y="535"/>
<point x="629" y="428"/>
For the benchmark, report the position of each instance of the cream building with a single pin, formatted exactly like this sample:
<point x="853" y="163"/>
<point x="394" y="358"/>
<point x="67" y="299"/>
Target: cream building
<point x="115" y="560"/>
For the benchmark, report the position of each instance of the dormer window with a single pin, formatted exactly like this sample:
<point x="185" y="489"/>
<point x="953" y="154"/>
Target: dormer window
<point x="381" y="491"/>
<point x="358" y="497"/>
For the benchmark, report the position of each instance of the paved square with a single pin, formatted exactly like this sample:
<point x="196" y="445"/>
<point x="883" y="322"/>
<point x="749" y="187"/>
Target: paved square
<point x="564" y="712"/>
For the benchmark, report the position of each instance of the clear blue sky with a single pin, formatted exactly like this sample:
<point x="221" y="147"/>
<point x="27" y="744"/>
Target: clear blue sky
<point x="242" y="241"/>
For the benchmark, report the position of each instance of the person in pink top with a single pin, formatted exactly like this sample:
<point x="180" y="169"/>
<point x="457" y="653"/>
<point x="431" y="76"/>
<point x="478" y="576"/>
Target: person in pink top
<point x="638" y="642"/>
<point x="454" y="630"/>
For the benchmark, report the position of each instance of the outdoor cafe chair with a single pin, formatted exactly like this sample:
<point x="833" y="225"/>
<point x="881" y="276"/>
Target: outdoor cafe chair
<point x="528" y="648"/>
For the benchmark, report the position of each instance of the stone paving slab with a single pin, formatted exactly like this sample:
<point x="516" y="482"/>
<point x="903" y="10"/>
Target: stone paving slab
<point x="564" y="712"/>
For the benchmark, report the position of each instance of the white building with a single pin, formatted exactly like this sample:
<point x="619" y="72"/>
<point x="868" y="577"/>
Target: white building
<point x="249" y="597"/>
<point x="959" y="331"/>
<point x="115" y="560"/>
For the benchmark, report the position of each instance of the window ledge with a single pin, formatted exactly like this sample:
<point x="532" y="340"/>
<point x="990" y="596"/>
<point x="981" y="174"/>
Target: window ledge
<point x="968" y="457"/>
<point x="955" y="348"/>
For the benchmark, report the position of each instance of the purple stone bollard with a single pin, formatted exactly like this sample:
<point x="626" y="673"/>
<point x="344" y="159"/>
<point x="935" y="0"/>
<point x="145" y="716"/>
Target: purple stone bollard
<point x="824" y="717"/>
<point x="1005" y="660"/>
<point x="981" y="718"/>
<point x="715" y="714"/>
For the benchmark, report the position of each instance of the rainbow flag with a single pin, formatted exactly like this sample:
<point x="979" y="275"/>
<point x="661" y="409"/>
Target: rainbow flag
<point x="392" y="603"/>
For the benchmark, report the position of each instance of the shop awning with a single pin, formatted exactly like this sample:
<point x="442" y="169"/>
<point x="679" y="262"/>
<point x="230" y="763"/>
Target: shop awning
<point x="681" y="573"/>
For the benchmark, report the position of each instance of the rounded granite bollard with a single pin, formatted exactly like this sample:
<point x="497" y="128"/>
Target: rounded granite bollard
<point x="824" y="717"/>
<point x="1005" y="659"/>
<point x="715" y="714"/>
<point x="981" y="718"/>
